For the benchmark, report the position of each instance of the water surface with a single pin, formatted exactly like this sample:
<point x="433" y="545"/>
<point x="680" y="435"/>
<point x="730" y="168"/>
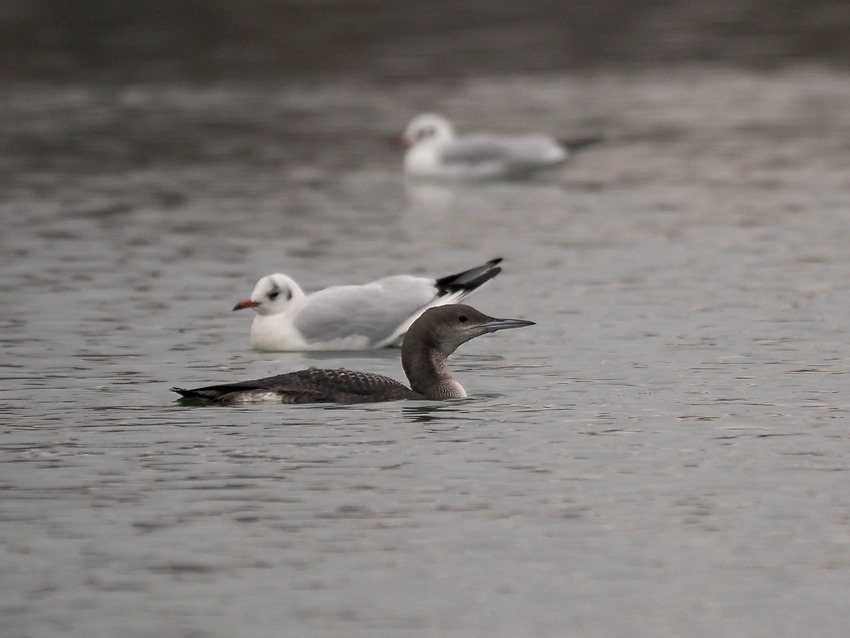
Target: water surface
<point x="664" y="454"/>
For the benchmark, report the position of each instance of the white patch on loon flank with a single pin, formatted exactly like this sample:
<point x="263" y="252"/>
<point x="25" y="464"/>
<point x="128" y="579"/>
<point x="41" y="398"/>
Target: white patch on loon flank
<point x="256" y="396"/>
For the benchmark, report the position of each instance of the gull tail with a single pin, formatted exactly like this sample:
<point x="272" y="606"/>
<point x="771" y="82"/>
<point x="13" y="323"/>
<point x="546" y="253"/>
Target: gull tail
<point x="580" y="143"/>
<point x="463" y="283"/>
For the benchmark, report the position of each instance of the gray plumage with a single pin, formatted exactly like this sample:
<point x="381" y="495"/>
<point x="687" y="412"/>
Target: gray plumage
<point x="351" y="317"/>
<point x="348" y="311"/>
<point x="427" y="345"/>
<point x="436" y="151"/>
<point x="517" y="153"/>
<point x="314" y="385"/>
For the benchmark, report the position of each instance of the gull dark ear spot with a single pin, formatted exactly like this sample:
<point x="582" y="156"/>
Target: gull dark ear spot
<point x="288" y="294"/>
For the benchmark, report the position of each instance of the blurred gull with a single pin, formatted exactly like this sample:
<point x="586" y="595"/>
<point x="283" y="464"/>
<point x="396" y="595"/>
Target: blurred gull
<point x="432" y="338"/>
<point x="352" y="317"/>
<point x="435" y="151"/>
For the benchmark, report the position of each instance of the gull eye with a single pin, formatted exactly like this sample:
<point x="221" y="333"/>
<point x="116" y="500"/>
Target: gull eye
<point x="463" y="318"/>
<point x="275" y="293"/>
<point x="425" y="132"/>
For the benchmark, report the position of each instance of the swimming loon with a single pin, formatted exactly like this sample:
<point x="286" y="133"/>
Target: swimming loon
<point x="431" y="339"/>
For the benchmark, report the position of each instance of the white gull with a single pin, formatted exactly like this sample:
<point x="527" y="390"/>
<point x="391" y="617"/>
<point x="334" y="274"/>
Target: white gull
<point x="351" y="317"/>
<point x="434" y="150"/>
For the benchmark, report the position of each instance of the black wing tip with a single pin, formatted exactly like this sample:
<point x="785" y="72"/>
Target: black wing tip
<point x="579" y="143"/>
<point x="469" y="280"/>
<point x="481" y="280"/>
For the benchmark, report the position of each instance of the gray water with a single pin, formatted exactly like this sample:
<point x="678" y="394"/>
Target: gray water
<point x="664" y="454"/>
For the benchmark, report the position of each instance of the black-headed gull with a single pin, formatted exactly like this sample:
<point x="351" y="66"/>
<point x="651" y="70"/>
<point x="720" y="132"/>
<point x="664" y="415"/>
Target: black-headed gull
<point x="353" y="317"/>
<point x="435" y="151"/>
<point x="435" y="335"/>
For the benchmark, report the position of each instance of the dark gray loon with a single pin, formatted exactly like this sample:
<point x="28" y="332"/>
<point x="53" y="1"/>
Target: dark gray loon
<point x="431" y="339"/>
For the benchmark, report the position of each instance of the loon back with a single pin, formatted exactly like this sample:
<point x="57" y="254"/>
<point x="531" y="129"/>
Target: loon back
<point x="314" y="385"/>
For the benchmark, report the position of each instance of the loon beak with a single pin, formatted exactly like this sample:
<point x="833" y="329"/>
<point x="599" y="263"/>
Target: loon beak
<point x="246" y="303"/>
<point x="503" y="324"/>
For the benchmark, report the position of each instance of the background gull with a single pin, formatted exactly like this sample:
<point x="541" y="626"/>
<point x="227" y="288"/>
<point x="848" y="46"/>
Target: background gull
<point x="434" y="150"/>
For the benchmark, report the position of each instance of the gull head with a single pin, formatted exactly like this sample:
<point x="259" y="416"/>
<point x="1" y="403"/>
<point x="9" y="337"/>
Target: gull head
<point x="272" y="295"/>
<point x="428" y="128"/>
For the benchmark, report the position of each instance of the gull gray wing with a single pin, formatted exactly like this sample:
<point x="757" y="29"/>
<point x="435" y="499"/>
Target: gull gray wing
<point x="373" y="312"/>
<point x="516" y="151"/>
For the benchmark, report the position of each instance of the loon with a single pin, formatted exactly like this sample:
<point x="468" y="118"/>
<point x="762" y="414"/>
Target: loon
<point x="369" y="316"/>
<point x="431" y="339"/>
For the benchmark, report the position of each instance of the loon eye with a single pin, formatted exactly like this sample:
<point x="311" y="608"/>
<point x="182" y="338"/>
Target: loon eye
<point x="463" y="318"/>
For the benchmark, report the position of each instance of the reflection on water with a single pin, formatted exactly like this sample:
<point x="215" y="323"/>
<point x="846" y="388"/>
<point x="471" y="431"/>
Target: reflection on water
<point x="442" y="414"/>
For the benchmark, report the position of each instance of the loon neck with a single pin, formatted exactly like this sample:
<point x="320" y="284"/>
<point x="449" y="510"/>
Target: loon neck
<point x="428" y="372"/>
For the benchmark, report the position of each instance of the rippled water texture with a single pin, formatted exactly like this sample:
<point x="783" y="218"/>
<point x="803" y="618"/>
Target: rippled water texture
<point x="665" y="454"/>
